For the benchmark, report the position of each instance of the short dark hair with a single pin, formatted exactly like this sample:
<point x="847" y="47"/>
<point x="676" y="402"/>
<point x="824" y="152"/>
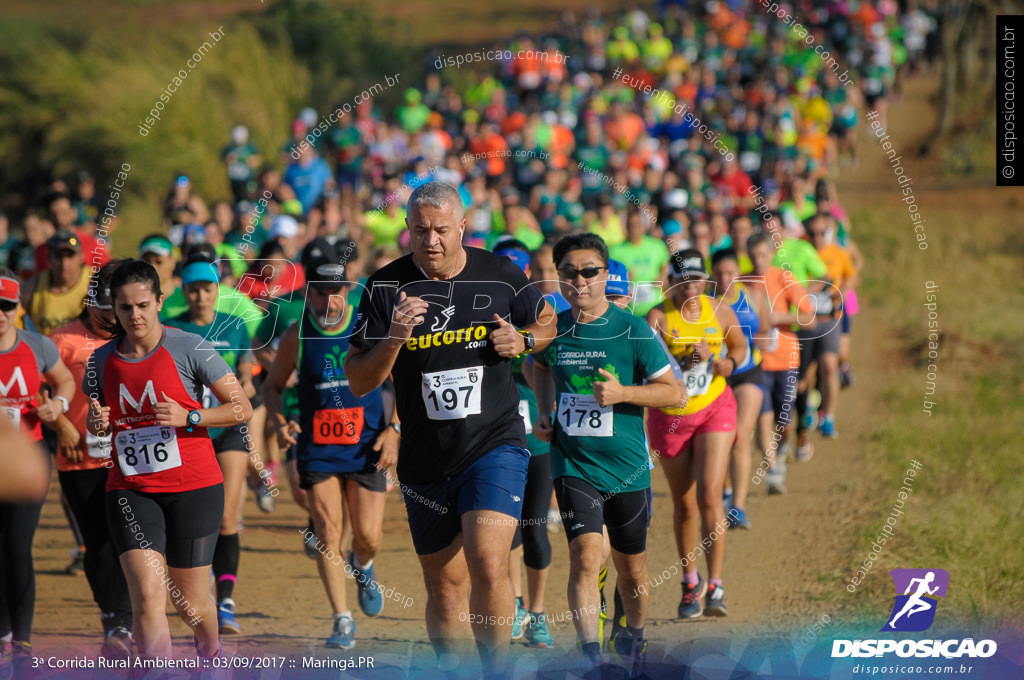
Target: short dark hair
<point x="724" y="254"/>
<point x="756" y="240"/>
<point x="584" y="241"/>
<point x="130" y="271"/>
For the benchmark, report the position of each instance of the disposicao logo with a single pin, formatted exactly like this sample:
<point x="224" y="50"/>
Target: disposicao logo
<point x="914" y="610"/>
<point x="917" y="593"/>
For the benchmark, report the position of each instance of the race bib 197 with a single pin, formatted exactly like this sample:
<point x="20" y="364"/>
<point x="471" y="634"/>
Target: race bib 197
<point x="581" y="416"/>
<point x="147" y="450"/>
<point x="454" y="394"/>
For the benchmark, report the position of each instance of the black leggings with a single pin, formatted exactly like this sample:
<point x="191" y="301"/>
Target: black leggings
<point x="85" y="491"/>
<point x="532" y="532"/>
<point x="18" y="523"/>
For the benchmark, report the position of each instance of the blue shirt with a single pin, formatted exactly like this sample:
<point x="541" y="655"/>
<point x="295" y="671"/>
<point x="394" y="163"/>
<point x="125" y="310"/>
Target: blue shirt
<point x="308" y="182"/>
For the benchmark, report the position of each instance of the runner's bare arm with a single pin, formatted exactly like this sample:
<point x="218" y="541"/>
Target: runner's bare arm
<point x="234" y="408"/>
<point x="544" y="389"/>
<point x="660" y="392"/>
<point x="734" y="340"/>
<point x="544" y="329"/>
<point x="277" y="379"/>
<point x="24" y="472"/>
<point x="367" y="370"/>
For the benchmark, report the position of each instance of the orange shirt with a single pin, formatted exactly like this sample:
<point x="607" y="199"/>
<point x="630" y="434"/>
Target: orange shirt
<point x="625" y="131"/>
<point x="76" y="344"/>
<point x="783" y="293"/>
<point x="840" y="269"/>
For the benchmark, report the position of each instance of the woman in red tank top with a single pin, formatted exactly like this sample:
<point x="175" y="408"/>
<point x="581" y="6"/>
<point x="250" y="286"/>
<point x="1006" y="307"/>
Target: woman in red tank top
<point x="27" y="359"/>
<point x="165" y="492"/>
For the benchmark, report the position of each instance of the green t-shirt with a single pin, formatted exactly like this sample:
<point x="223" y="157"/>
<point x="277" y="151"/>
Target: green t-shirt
<point x="269" y="332"/>
<point x="385" y="229"/>
<point x="610" y="456"/>
<point x="644" y="262"/>
<point x="229" y="301"/>
<point x="800" y="258"/>
<point x="228" y="335"/>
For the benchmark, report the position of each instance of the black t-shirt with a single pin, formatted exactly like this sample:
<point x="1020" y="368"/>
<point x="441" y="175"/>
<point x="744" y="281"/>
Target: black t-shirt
<point x="456" y="397"/>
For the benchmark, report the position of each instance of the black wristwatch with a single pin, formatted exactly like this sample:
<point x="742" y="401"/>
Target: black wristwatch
<point x="528" y="338"/>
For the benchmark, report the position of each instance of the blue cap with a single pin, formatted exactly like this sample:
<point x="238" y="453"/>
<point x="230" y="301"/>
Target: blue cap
<point x="618" y="279"/>
<point x="671" y="227"/>
<point x="520" y="257"/>
<point x="200" y="271"/>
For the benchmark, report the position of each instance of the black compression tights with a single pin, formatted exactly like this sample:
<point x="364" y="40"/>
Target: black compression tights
<point x="18" y="523"/>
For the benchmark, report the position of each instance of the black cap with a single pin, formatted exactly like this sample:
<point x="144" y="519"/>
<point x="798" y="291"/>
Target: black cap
<point x="63" y="239"/>
<point x="324" y="261"/>
<point x="687" y="264"/>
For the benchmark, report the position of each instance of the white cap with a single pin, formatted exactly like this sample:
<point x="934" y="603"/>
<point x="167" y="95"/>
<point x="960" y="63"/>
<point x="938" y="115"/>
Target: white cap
<point x="239" y="134"/>
<point x="284" y="226"/>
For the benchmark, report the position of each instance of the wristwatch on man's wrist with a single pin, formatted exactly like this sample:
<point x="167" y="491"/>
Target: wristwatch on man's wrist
<point x="397" y="427"/>
<point x="528" y="338"/>
<point x="63" y="403"/>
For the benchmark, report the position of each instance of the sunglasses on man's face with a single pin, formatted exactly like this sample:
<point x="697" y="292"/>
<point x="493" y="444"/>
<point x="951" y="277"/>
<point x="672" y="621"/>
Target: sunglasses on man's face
<point x="6" y="306"/>
<point x="568" y="273"/>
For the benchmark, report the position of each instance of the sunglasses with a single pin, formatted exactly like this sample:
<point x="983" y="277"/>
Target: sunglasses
<point x="6" y="306"/>
<point x="568" y="274"/>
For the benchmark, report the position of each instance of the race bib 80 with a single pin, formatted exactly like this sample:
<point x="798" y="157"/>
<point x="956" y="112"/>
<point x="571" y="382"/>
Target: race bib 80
<point x="454" y="394"/>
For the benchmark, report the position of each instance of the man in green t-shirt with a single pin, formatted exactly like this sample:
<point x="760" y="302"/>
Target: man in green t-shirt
<point x="593" y="374"/>
<point x="646" y="259"/>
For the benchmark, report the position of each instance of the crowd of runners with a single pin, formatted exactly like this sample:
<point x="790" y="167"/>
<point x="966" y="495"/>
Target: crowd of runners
<point x="513" y="302"/>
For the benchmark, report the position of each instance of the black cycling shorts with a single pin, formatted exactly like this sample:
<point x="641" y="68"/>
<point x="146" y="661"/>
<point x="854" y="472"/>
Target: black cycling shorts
<point x="231" y="439"/>
<point x="371" y="479"/>
<point x="183" y="526"/>
<point x="752" y="375"/>
<point x="586" y="510"/>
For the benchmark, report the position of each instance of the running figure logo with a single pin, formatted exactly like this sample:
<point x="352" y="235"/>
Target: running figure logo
<point x="446" y="316"/>
<point x="914" y="610"/>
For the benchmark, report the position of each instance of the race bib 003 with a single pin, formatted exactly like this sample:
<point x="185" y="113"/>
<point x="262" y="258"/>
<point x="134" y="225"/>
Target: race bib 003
<point x="341" y="426"/>
<point x="454" y="394"/>
<point x="147" y="450"/>
<point x="581" y="416"/>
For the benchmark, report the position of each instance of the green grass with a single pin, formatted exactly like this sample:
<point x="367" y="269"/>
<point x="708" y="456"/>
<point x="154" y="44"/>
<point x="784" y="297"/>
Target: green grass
<point x="964" y="514"/>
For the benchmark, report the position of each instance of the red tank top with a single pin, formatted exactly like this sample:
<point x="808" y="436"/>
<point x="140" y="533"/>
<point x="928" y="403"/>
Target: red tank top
<point x="149" y="457"/>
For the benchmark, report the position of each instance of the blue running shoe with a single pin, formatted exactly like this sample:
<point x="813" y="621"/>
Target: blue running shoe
<point x="716" y="601"/>
<point x="522" y="616"/>
<point x="828" y="427"/>
<point x="690" y="606"/>
<point x="371" y="601"/>
<point x="344" y="634"/>
<point x="537" y="633"/>
<point x="226" y="616"/>
<point x="738" y="519"/>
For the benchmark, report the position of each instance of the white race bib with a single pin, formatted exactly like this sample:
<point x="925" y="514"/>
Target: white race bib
<point x="698" y="379"/>
<point x="147" y="450"/>
<point x="581" y="416"/>
<point x="773" y="341"/>
<point x="524" y="413"/>
<point x="823" y="302"/>
<point x="97" y="447"/>
<point x="454" y="394"/>
<point x="12" y="414"/>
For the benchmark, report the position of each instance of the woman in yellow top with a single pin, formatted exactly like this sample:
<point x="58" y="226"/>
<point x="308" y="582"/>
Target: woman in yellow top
<point x="694" y="442"/>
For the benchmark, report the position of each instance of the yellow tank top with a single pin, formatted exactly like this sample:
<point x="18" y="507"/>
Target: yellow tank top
<point x="702" y="384"/>
<point x="49" y="311"/>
